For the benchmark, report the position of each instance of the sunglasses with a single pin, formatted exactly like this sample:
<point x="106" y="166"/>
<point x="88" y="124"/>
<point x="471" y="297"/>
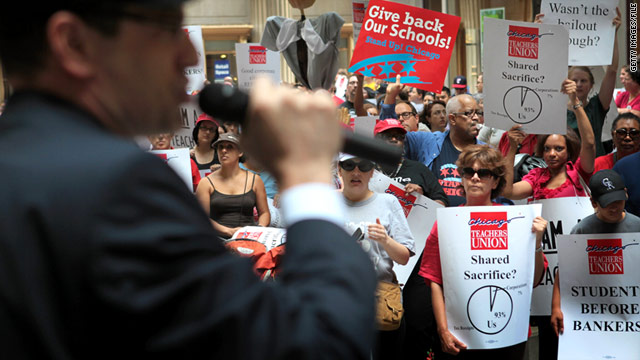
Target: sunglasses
<point x="469" y="113"/>
<point x="363" y="165"/>
<point x="483" y="174"/>
<point x="623" y="133"/>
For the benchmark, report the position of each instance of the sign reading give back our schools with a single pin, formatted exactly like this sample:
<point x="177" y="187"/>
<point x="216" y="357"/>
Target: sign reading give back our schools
<point x="400" y="39"/>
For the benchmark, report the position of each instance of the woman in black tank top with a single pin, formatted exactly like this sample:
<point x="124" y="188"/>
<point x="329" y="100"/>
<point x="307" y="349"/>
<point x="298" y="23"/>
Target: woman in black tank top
<point x="230" y="193"/>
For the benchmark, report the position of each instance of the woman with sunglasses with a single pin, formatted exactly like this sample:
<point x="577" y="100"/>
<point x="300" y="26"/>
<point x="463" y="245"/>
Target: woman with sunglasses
<point x="483" y="172"/>
<point x="379" y="224"/>
<point x="568" y="158"/>
<point x="625" y="132"/>
<point x="205" y="133"/>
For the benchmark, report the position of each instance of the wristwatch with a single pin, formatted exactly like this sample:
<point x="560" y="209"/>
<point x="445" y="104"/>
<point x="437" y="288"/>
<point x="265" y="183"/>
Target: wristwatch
<point x="578" y="105"/>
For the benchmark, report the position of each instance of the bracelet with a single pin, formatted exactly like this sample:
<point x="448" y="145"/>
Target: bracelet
<point x="578" y="105"/>
<point x="539" y="249"/>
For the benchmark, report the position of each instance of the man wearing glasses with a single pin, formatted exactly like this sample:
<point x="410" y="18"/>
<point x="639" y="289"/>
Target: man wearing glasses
<point x="439" y="150"/>
<point x="105" y="254"/>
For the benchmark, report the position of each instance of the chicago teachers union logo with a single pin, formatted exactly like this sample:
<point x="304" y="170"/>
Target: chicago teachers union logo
<point x="523" y="42"/>
<point x="489" y="231"/>
<point x="257" y="55"/>
<point x="605" y="256"/>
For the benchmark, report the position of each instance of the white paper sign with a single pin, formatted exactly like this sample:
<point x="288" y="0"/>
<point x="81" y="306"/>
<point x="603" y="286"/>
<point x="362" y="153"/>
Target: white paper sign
<point x="523" y="76"/>
<point x="420" y="212"/>
<point x="253" y="60"/>
<point x="364" y="125"/>
<point x="268" y="236"/>
<point x="600" y="296"/>
<point x="562" y="215"/>
<point x="589" y="22"/>
<point x="196" y="74"/>
<point x="179" y="161"/>
<point x="487" y="255"/>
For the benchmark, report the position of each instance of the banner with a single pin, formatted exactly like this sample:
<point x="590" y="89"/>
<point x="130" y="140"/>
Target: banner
<point x="179" y="161"/>
<point x="487" y="255"/>
<point x="420" y="212"/>
<point x="254" y="59"/>
<point x="600" y="296"/>
<point x="589" y="22"/>
<point x="523" y="76"/>
<point x="359" y="8"/>
<point x="195" y="74"/>
<point x="268" y="236"/>
<point x="400" y="39"/>
<point x="562" y="215"/>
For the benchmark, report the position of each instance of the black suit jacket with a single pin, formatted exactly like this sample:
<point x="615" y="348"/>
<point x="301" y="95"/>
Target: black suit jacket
<point x="105" y="254"/>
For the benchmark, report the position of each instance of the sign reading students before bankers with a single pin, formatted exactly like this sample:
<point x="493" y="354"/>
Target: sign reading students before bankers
<point x="487" y="256"/>
<point x="400" y="39"/>
<point x="589" y="22"/>
<point x="600" y="296"/>
<point x="524" y="66"/>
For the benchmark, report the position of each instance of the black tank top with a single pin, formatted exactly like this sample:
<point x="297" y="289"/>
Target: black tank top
<point x="233" y="210"/>
<point x="207" y="166"/>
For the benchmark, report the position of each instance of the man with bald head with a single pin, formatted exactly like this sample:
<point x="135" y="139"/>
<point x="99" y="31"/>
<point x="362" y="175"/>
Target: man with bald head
<point x="440" y="150"/>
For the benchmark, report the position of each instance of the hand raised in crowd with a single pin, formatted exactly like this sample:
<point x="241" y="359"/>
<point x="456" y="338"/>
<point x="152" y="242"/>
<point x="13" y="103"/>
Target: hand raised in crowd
<point x="569" y="87"/>
<point x="539" y="226"/>
<point x="538" y="18"/>
<point x="516" y="136"/>
<point x="393" y="90"/>
<point x="409" y="188"/>
<point x="301" y="133"/>
<point x="618" y="19"/>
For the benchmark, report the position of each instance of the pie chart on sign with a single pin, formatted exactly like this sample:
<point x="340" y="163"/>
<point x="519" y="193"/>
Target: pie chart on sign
<point x="489" y="309"/>
<point x="522" y="104"/>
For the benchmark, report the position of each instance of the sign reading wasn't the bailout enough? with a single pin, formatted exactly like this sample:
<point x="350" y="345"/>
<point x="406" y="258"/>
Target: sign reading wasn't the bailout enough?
<point x="412" y="42"/>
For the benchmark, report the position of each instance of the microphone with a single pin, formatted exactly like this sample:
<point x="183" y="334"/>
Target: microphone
<point x="228" y="103"/>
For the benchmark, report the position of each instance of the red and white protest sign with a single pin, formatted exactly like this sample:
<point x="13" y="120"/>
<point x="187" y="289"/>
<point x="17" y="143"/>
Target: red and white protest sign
<point x="412" y="42"/>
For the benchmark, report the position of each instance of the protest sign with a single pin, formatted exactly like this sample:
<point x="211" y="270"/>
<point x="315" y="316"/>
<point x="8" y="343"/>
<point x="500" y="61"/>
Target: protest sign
<point x="364" y="125"/>
<point x="252" y="60"/>
<point x="562" y="214"/>
<point x="420" y="212"/>
<point x="359" y="8"/>
<point x="523" y="76"/>
<point x="589" y="22"/>
<point x="195" y="74"/>
<point x="487" y="255"/>
<point x="189" y="112"/>
<point x="399" y="39"/>
<point x="179" y="161"/>
<point x="599" y="296"/>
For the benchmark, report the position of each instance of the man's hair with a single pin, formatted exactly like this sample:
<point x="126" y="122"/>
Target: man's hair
<point x="624" y="116"/>
<point x="635" y="76"/>
<point x="488" y="158"/>
<point x="571" y="139"/>
<point x="446" y="90"/>
<point x="23" y="43"/>
<point x="413" y="109"/>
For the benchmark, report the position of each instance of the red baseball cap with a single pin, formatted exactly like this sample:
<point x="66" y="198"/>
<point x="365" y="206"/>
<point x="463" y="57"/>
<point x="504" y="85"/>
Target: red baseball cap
<point x="384" y="125"/>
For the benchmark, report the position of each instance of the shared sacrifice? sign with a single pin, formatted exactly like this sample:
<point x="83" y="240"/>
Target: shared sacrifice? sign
<point x="399" y="39"/>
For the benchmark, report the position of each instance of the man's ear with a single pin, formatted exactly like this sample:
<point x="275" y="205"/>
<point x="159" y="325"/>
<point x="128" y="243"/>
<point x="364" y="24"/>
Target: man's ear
<point x="452" y="119"/>
<point x="71" y="44"/>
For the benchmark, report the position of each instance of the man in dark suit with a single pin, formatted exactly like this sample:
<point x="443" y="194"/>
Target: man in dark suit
<point x="104" y="254"/>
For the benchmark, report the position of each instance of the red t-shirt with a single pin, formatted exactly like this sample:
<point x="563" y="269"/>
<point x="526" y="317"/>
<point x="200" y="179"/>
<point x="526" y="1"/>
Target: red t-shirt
<point x="528" y="144"/>
<point x="622" y="101"/>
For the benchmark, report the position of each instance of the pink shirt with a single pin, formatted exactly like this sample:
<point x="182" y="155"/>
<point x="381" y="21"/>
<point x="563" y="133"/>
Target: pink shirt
<point x="538" y="178"/>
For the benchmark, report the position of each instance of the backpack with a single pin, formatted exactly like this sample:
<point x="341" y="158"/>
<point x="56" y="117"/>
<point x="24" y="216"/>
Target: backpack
<point x="524" y="163"/>
<point x="263" y="245"/>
